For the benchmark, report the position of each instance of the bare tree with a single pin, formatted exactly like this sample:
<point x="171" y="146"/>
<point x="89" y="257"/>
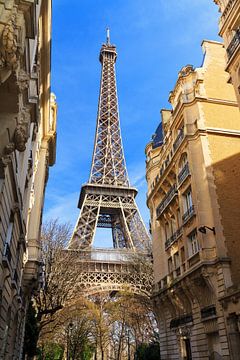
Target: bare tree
<point x="118" y="321"/>
<point x="58" y="271"/>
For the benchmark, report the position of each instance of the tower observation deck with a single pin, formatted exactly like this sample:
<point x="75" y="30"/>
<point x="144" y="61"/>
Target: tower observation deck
<point x="108" y="201"/>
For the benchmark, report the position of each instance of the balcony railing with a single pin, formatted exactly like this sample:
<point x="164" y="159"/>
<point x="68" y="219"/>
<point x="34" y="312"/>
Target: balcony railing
<point x="178" y="140"/>
<point x="183" y="174"/>
<point x="209" y="253"/>
<point x="177" y="272"/>
<point x="167" y="199"/>
<point x="106" y="254"/>
<point x="194" y="259"/>
<point x="206" y="254"/>
<point x="7" y="256"/>
<point x="188" y="214"/>
<point x="203" y="255"/>
<point x="173" y="238"/>
<point x="233" y="44"/>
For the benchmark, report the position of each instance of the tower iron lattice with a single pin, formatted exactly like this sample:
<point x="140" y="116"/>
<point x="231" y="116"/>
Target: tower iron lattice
<point x="108" y="200"/>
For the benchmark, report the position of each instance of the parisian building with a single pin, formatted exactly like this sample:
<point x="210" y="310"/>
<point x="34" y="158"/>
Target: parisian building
<point x="192" y="171"/>
<point x="229" y="30"/>
<point x="27" y="149"/>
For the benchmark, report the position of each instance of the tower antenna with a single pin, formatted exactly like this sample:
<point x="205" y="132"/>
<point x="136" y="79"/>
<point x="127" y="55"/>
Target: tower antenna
<point x="108" y="36"/>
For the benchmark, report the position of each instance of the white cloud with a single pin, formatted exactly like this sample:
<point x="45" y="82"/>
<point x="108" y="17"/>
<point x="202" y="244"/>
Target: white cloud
<point x="63" y="208"/>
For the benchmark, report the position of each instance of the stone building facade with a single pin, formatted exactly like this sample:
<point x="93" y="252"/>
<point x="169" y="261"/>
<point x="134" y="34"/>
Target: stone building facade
<point x="229" y="30"/>
<point x="27" y="149"/>
<point x="192" y="170"/>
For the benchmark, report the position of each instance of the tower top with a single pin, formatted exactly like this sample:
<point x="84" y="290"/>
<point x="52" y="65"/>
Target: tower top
<point x="108" y="36"/>
<point x="108" y="49"/>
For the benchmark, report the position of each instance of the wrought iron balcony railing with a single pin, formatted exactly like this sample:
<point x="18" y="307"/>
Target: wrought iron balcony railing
<point x="233" y="44"/>
<point x="7" y="256"/>
<point x="178" y="140"/>
<point x="188" y="214"/>
<point x="183" y="174"/>
<point x="173" y="238"/>
<point x="166" y="200"/>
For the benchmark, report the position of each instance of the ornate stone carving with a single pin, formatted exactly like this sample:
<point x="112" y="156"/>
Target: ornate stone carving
<point x="186" y="70"/>
<point x="183" y="331"/>
<point x="9" y="48"/>
<point x="21" y="133"/>
<point x="20" y="138"/>
<point x="23" y="80"/>
<point x="15" y="207"/>
<point x="6" y="160"/>
<point x="19" y="141"/>
<point x="9" y="148"/>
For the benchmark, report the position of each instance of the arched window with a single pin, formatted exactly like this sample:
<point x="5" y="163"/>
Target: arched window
<point x="167" y="231"/>
<point x="182" y="162"/>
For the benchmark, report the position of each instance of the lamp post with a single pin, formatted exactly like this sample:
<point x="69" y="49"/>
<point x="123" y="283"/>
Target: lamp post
<point x="203" y="229"/>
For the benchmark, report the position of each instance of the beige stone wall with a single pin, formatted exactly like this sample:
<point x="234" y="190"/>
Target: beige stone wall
<point x="27" y="148"/>
<point x="226" y="169"/>
<point x="196" y="283"/>
<point x="229" y="30"/>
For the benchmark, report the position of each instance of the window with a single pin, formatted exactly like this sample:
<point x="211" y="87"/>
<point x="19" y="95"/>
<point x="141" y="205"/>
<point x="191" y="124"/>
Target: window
<point x="182" y="254"/>
<point x="167" y="231"/>
<point x="170" y="265"/>
<point x="176" y="260"/>
<point x="183" y="161"/>
<point x="179" y="218"/>
<point x="9" y="232"/>
<point x="193" y="243"/>
<point x="173" y="224"/>
<point x="187" y="200"/>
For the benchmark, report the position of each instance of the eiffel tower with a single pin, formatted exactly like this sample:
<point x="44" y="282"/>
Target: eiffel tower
<point x="108" y="200"/>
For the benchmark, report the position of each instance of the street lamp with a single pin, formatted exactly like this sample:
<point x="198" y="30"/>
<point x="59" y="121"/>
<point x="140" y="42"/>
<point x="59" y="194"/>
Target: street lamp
<point x="203" y="229"/>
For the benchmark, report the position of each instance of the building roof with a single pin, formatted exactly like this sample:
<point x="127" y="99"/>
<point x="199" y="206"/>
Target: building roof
<point x="157" y="138"/>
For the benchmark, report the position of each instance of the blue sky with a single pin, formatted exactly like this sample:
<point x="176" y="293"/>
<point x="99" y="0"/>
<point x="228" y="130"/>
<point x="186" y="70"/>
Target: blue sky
<point x="154" y="39"/>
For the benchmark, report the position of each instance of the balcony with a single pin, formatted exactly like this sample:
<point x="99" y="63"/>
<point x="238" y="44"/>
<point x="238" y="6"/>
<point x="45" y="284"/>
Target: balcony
<point x="178" y="140"/>
<point x="183" y="174"/>
<point x="234" y="44"/>
<point x="188" y="214"/>
<point x="166" y="200"/>
<point x="7" y="256"/>
<point x="194" y="259"/>
<point x="173" y="238"/>
<point x="205" y="254"/>
<point x="209" y="253"/>
<point x="177" y="272"/>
